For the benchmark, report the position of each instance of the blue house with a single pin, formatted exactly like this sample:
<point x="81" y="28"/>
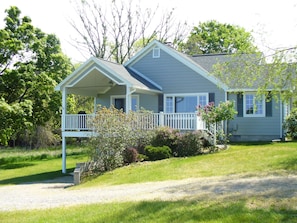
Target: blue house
<point x="171" y="84"/>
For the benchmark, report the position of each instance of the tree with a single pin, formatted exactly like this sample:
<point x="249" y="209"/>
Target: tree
<point x="214" y="37"/>
<point x="31" y="65"/>
<point x="271" y="75"/>
<point x="111" y="33"/>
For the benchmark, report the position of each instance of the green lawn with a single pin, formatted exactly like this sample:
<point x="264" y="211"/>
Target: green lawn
<point x="19" y="166"/>
<point x="156" y="211"/>
<point x="239" y="159"/>
<point x="246" y="159"/>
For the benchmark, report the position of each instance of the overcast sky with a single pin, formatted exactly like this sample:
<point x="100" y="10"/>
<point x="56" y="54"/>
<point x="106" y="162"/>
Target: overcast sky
<point x="272" y="22"/>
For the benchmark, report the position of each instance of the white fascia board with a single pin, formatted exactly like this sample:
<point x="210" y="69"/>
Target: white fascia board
<point x="79" y="70"/>
<point x="141" y="53"/>
<point x="245" y="90"/>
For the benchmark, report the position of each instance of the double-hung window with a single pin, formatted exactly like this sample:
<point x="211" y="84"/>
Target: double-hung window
<point x="253" y="105"/>
<point x="184" y="103"/>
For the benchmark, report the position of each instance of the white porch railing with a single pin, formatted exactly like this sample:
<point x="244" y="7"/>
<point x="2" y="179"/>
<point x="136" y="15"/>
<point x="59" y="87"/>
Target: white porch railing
<point x="181" y="121"/>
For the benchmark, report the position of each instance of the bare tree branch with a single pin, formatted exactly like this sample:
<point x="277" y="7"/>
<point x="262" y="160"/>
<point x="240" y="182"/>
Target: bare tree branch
<point x="112" y="31"/>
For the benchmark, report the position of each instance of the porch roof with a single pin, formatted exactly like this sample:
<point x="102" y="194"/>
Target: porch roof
<point x="97" y="76"/>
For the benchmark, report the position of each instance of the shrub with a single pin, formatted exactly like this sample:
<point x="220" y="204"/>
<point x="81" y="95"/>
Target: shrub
<point x="165" y="136"/>
<point x="130" y="155"/>
<point x="157" y="153"/>
<point x="190" y="144"/>
<point x="290" y="124"/>
<point x="116" y="131"/>
<point x="212" y="114"/>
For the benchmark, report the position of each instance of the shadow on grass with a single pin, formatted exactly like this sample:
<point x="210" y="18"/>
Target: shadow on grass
<point x="256" y="143"/>
<point x="38" y="177"/>
<point x="10" y="166"/>
<point x="289" y="164"/>
<point x="184" y="211"/>
<point x="198" y="211"/>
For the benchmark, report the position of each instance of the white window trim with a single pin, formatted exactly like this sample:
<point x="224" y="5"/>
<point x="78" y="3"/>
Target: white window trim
<point x="182" y="95"/>
<point x="263" y="105"/>
<point x="156" y="52"/>
<point x="112" y="97"/>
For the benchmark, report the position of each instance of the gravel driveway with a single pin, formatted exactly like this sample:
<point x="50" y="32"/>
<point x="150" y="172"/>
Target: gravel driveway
<point x="58" y="192"/>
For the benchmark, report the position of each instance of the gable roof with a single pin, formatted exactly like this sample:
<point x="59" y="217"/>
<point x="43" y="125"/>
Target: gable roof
<point x="186" y="60"/>
<point x="97" y="76"/>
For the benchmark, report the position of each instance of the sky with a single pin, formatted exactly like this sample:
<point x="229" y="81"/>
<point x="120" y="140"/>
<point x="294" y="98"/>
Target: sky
<point x="273" y="23"/>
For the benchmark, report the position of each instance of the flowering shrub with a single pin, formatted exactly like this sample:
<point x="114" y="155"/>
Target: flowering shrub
<point x="212" y="114"/>
<point x="290" y="124"/>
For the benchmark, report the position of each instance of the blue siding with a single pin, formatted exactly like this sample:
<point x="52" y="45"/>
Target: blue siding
<point x="148" y="102"/>
<point x="256" y="128"/>
<point x="175" y="77"/>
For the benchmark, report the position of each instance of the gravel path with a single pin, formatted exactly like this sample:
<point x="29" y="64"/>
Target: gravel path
<point x="58" y="192"/>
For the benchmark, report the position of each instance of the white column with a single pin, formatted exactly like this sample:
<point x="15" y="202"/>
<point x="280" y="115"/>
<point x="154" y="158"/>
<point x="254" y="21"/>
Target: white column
<point x="64" y="108"/>
<point x="63" y="154"/>
<point x="95" y="105"/>
<point x="64" y="111"/>
<point x="128" y="99"/>
<point x="161" y="119"/>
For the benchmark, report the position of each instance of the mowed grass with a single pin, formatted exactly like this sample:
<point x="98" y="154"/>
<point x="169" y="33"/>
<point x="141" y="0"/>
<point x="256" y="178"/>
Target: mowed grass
<point x="243" y="159"/>
<point x="21" y="166"/>
<point x="239" y="159"/>
<point x="156" y="211"/>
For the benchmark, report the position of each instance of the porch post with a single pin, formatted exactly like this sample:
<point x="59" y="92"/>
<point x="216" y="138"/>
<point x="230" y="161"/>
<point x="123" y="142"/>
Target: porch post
<point x="63" y="154"/>
<point x="64" y="108"/>
<point x="63" y="118"/>
<point x="95" y="104"/>
<point x="128" y="98"/>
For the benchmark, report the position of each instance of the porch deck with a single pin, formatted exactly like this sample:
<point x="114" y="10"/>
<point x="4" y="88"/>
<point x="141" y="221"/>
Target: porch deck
<point x="81" y="125"/>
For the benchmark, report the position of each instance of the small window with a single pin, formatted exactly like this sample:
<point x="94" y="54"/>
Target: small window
<point x="156" y="52"/>
<point x="254" y="106"/>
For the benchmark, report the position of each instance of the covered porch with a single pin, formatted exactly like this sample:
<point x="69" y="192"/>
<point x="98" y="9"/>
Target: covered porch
<point x="112" y="84"/>
<point x="107" y="83"/>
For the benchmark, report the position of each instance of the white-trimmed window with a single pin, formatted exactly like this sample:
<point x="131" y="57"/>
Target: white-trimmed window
<point x="253" y="105"/>
<point x="119" y="102"/>
<point x="156" y="52"/>
<point x="184" y="103"/>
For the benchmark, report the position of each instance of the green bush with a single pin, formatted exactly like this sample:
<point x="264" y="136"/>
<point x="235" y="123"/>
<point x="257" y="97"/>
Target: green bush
<point x="290" y="124"/>
<point x="165" y="136"/>
<point x="157" y="153"/>
<point x="190" y="144"/>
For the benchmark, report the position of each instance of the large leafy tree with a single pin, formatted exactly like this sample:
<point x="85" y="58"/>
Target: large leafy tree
<point x="31" y="64"/>
<point x="214" y="37"/>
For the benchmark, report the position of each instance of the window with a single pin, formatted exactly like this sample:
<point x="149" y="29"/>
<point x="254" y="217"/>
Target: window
<point x="184" y="103"/>
<point x="156" y="52"/>
<point x="119" y="102"/>
<point x="253" y="106"/>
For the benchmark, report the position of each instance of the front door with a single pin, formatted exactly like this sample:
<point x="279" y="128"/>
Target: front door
<point x="120" y="103"/>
